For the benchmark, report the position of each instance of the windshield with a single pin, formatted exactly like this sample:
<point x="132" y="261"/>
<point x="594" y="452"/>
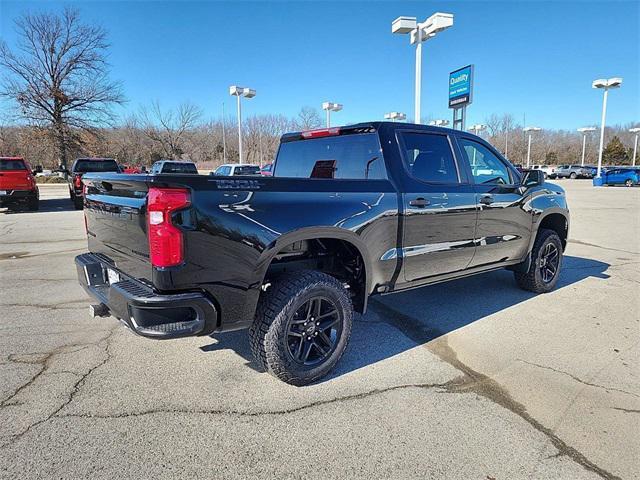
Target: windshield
<point x="84" y="166"/>
<point x="11" y="164"/>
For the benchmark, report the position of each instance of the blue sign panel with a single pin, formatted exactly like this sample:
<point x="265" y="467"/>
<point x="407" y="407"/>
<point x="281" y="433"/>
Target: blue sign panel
<point x="461" y="87"/>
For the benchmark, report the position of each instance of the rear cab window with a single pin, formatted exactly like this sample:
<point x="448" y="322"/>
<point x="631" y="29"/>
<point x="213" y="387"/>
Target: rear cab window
<point x="247" y="170"/>
<point x="85" y="166"/>
<point x="355" y="156"/>
<point x="179" y="167"/>
<point x="9" y="164"/>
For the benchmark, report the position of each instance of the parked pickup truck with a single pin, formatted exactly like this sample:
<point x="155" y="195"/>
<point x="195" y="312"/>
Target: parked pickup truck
<point x="80" y="167"/>
<point x="350" y="212"/>
<point x="18" y="185"/>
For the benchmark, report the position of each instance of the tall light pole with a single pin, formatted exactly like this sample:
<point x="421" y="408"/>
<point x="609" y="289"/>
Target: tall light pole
<point x="605" y="83"/>
<point x="439" y="123"/>
<point x="395" y="116"/>
<point x="331" y="107"/>
<point x="240" y="92"/>
<point x="584" y="131"/>
<point x="529" y="130"/>
<point x="421" y="32"/>
<point x="224" y="139"/>
<point x="635" y="130"/>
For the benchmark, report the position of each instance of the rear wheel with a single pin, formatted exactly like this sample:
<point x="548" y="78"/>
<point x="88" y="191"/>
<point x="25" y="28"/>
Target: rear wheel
<point x="302" y="326"/>
<point x="573" y="175"/>
<point x="628" y="183"/>
<point x="33" y="204"/>
<point x="78" y="202"/>
<point x="546" y="260"/>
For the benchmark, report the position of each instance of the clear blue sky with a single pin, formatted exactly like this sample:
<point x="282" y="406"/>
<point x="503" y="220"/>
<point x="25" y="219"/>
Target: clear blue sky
<point x="537" y="58"/>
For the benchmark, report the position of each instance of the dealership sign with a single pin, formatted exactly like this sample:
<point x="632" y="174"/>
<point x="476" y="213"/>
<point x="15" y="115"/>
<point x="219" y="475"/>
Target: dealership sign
<point x="461" y="87"/>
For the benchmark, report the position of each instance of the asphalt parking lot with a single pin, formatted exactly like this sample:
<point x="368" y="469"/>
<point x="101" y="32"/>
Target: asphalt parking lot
<point x="470" y="379"/>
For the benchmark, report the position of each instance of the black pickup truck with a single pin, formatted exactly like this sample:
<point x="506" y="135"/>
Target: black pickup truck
<point x="350" y="212"/>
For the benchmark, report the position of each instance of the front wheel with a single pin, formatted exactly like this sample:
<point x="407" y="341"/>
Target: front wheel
<point x="628" y="183"/>
<point x="546" y="260"/>
<point x="573" y="176"/>
<point x="302" y="326"/>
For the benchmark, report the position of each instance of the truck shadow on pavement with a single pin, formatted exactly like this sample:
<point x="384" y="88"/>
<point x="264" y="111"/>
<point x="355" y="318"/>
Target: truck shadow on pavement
<point x="46" y="206"/>
<point x="399" y="322"/>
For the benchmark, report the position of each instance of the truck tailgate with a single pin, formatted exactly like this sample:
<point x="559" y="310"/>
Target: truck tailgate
<point x="115" y="211"/>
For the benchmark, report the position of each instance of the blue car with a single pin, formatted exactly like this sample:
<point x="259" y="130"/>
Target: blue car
<point x="621" y="176"/>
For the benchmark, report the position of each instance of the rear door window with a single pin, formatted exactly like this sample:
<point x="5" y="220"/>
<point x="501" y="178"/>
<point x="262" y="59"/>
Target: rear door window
<point x="355" y="156"/>
<point x="428" y="157"/>
<point x="7" y="164"/>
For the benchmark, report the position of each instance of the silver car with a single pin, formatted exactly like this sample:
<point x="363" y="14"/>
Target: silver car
<point x="574" y="171"/>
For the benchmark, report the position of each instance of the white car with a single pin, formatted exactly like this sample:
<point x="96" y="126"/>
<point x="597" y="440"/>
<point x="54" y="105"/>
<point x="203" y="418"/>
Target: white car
<point x="549" y="171"/>
<point x="233" y="169"/>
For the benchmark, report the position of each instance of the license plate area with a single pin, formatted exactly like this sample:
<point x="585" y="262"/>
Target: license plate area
<point x="112" y="276"/>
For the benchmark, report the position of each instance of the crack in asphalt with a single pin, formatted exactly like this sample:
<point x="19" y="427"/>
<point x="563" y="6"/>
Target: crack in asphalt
<point x="74" y="389"/>
<point x="578" y="379"/>
<point x="626" y="410"/>
<point x="241" y="413"/>
<point x="473" y="381"/>
<point x="580" y="242"/>
<point x="55" y="306"/>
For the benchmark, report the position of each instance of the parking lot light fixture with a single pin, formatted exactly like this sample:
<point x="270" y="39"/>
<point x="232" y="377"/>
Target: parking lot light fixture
<point x="606" y="84"/>
<point x="635" y="130"/>
<point x="421" y="32"/>
<point x="395" y="116"/>
<point x="476" y="129"/>
<point x="529" y="130"/>
<point x="439" y="123"/>
<point x="585" y="131"/>
<point x="331" y="107"/>
<point x="238" y="92"/>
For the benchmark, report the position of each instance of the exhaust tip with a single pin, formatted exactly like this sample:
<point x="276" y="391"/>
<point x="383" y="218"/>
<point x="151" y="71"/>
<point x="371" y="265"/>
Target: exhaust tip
<point x="98" y="310"/>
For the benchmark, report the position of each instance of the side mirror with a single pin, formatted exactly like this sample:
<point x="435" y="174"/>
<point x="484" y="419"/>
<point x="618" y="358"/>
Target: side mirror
<point x="532" y="178"/>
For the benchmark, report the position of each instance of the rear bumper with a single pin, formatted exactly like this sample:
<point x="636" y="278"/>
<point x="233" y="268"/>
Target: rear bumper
<point x="145" y="312"/>
<point x="13" y="196"/>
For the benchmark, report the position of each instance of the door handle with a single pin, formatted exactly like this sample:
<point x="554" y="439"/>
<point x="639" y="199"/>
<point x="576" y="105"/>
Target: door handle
<point x="419" y="202"/>
<point x="486" y="199"/>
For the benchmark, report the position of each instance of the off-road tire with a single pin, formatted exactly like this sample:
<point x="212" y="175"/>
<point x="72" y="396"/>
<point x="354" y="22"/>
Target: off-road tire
<point x="532" y="280"/>
<point x="33" y="204"/>
<point x="78" y="202"/>
<point x="277" y="305"/>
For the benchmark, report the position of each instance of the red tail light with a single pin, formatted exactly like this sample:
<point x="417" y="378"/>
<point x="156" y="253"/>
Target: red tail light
<point x="165" y="239"/>
<point x="77" y="181"/>
<point x="323" y="132"/>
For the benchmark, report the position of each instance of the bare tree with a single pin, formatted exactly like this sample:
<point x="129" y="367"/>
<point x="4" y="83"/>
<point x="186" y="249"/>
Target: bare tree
<point x="169" y="128"/>
<point x="58" y="76"/>
<point x="308" y="118"/>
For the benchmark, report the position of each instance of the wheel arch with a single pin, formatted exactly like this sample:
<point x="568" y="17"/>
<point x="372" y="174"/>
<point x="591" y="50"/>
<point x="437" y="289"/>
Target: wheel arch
<point x="268" y="257"/>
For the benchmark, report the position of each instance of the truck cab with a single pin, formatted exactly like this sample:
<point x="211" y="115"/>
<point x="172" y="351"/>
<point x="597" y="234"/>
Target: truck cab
<point x="349" y="212"/>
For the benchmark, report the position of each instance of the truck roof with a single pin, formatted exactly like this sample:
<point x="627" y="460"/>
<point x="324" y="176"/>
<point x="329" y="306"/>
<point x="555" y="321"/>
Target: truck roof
<point x="365" y="127"/>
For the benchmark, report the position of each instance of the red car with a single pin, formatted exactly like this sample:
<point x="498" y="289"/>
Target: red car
<point x="267" y="170"/>
<point x="17" y="184"/>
